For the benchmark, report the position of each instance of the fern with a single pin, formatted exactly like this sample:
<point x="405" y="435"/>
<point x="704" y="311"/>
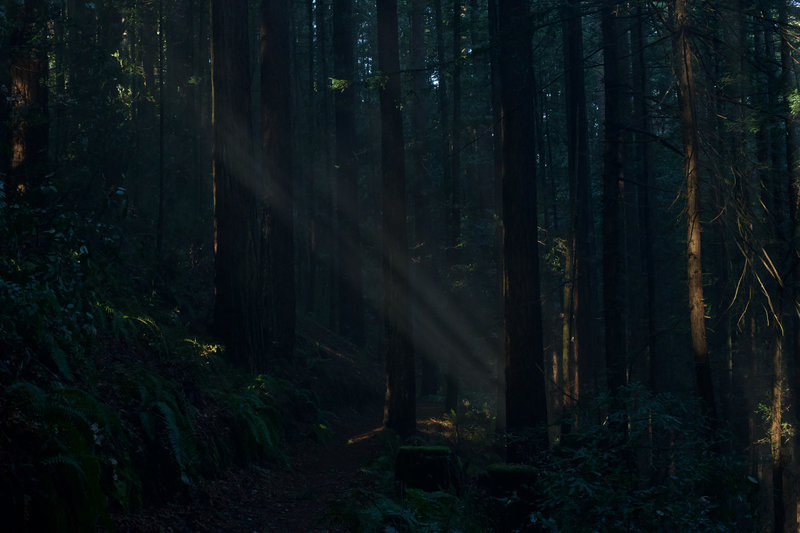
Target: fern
<point x="66" y="460"/>
<point x="36" y="396"/>
<point x="158" y="395"/>
<point x="59" y="358"/>
<point x="176" y="439"/>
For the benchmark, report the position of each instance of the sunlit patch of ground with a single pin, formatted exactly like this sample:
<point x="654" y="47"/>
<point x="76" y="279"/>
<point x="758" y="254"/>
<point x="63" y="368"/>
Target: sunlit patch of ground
<point x="470" y="425"/>
<point x="437" y="426"/>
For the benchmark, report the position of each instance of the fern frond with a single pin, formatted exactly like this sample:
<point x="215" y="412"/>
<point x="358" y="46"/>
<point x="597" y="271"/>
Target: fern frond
<point x="66" y="460"/>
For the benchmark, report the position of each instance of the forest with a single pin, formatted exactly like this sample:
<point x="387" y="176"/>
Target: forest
<point x="399" y="265"/>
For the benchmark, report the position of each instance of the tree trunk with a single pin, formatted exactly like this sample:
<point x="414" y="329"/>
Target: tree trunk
<point x="422" y="194"/>
<point x="526" y="404"/>
<point x="691" y="157"/>
<point x="350" y="298"/>
<point x="28" y="97"/>
<point x="241" y="304"/>
<point x="400" y="407"/>
<point x="581" y="366"/>
<point x="613" y="186"/>
<point x="497" y="190"/>
<point x="453" y="206"/>
<point x="644" y="181"/>
<point x="276" y="154"/>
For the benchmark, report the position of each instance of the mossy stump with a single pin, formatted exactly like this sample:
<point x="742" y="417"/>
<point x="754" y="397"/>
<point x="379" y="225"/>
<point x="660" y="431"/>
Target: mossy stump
<point x="429" y="468"/>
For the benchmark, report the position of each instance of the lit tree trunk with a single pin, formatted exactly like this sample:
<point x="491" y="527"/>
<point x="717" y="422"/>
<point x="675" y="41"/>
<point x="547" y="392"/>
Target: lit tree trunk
<point x="691" y="155"/>
<point x="276" y="154"/>
<point x="400" y="407"/>
<point x="615" y="331"/>
<point x="579" y="306"/>
<point x="350" y="301"/>
<point x="787" y="369"/>
<point x="526" y="404"/>
<point x="28" y="97"/>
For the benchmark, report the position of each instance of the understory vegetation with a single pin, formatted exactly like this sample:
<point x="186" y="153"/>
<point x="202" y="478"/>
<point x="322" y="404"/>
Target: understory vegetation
<point x="641" y="462"/>
<point x="112" y="402"/>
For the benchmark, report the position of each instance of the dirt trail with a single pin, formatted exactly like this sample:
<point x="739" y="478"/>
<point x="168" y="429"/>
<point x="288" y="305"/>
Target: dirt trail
<point x="277" y="499"/>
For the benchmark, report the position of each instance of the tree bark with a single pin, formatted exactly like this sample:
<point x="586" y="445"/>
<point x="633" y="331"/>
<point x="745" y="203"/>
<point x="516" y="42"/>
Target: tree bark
<point x="691" y="157"/>
<point x="581" y="366"/>
<point x="28" y="97"/>
<point x="613" y="186"/>
<point x="526" y="404"/>
<point x="422" y="193"/>
<point x="644" y="180"/>
<point x="400" y="406"/>
<point x="276" y="154"/>
<point x="241" y="307"/>
<point x="350" y="298"/>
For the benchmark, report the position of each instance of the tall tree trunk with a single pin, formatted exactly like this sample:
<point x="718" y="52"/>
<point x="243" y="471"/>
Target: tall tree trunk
<point x="452" y="194"/>
<point x="526" y="404"/>
<point x="310" y="220"/>
<point x="581" y="365"/>
<point x="241" y="299"/>
<point x="400" y="406"/>
<point x="789" y="367"/>
<point x="497" y="190"/>
<point x="28" y="97"/>
<point x="615" y="330"/>
<point x="326" y="229"/>
<point x="691" y="154"/>
<point x="645" y="183"/>
<point x="276" y="154"/>
<point x="350" y="298"/>
<point x="161" y="136"/>
<point x="422" y="194"/>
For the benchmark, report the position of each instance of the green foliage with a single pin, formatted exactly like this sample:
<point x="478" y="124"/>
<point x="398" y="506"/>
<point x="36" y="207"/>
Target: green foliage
<point x="418" y="511"/>
<point x="75" y="463"/>
<point x="794" y="103"/>
<point x="650" y="465"/>
<point x="74" y="328"/>
<point x="339" y="85"/>
<point x="249" y="407"/>
<point x="764" y="412"/>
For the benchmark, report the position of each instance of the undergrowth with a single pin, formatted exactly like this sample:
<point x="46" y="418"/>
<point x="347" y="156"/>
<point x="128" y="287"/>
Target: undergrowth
<point x="109" y="401"/>
<point x="640" y="462"/>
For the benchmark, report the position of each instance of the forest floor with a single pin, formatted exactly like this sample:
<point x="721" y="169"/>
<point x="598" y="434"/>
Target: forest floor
<point x="302" y="495"/>
<point x="294" y="498"/>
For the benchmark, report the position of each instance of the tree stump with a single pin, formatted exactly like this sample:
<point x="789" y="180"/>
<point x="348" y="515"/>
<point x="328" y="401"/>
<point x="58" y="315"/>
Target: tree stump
<point x="429" y="468"/>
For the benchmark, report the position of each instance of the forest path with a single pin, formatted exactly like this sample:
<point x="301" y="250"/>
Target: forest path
<point x="294" y="499"/>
